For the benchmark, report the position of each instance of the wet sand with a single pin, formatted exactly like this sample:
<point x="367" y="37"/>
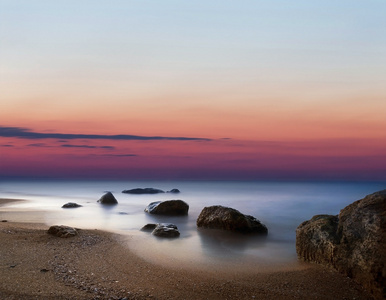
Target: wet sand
<point x="100" y="265"/>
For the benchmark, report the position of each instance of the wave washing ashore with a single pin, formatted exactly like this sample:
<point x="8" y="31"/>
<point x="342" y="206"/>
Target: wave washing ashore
<point x="194" y="266"/>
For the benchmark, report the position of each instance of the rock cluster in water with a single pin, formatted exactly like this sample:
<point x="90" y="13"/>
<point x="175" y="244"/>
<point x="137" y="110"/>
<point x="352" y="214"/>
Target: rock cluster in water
<point x="167" y="230"/>
<point x="213" y="217"/>
<point x="226" y="218"/>
<point x="354" y="242"/>
<point x="140" y="191"/>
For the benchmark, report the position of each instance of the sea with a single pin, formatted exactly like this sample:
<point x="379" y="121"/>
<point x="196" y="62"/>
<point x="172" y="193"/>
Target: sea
<point x="281" y="206"/>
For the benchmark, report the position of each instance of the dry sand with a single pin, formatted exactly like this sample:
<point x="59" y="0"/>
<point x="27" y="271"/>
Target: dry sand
<point x="99" y="265"/>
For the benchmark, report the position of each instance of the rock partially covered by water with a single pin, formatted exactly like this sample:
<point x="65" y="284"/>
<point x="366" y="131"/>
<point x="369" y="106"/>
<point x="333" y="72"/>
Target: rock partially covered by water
<point x="166" y="230"/>
<point x="168" y="207"/>
<point x="62" y="231"/>
<point x="71" y="205"/>
<point x="226" y="218"/>
<point x="354" y="242"/>
<point x="108" y="199"/>
<point x="139" y="191"/>
<point x="174" y="191"/>
<point x="149" y="227"/>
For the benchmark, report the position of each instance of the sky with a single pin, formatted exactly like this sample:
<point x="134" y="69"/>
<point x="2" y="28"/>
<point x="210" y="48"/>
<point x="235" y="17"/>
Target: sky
<point x="222" y="90"/>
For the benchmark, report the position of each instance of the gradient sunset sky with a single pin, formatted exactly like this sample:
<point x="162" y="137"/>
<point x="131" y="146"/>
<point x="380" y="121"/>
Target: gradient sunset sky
<point x="241" y="90"/>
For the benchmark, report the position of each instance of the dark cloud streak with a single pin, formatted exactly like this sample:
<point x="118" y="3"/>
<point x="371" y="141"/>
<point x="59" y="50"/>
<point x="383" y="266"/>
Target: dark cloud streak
<point x="87" y="146"/>
<point x="78" y="146"/>
<point x="24" y="133"/>
<point x="119" y="155"/>
<point x="37" y="145"/>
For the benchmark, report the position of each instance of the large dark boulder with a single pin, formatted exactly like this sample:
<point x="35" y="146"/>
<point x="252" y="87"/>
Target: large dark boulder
<point x="140" y="191"/>
<point x="108" y="199"/>
<point x="226" y="218"/>
<point x="354" y="242"/>
<point x="166" y="230"/>
<point x="71" y="205"/>
<point x="62" y="231"/>
<point x="168" y="207"/>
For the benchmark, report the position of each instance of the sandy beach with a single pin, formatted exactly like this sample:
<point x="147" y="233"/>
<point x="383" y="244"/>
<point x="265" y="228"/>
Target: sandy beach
<point x="100" y="265"/>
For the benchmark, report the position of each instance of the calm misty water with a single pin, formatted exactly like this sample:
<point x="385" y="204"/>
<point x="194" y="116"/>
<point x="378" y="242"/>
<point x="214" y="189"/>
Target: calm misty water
<point x="281" y="206"/>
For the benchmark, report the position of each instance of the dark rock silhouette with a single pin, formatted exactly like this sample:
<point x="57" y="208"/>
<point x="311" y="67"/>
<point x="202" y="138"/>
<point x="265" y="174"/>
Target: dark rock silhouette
<point x="226" y="218"/>
<point x="174" y="191"/>
<point x="71" y="205"/>
<point x="62" y="231"/>
<point x="354" y="242"/>
<point x="108" y="199"/>
<point x="166" y="230"/>
<point x="139" y="191"/>
<point x="168" y="207"/>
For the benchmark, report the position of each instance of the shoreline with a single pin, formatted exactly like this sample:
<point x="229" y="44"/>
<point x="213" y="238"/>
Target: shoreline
<point x="4" y="201"/>
<point x="101" y="265"/>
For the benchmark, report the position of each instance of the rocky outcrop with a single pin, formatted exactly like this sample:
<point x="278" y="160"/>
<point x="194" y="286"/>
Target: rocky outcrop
<point x="140" y="191"/>
<point x="71" y="205"/>
<point x="166" y="230"/>
<point x="226" y="218"/>
<point x="168" y="207"/>
<point x="62" y="231"/>
<point x="354" y="242"/>
<point x="174" y="191"/>
<point x="108" y="199"/>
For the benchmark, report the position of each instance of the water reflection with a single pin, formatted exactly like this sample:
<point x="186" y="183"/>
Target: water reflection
<point x="216" y="242"/>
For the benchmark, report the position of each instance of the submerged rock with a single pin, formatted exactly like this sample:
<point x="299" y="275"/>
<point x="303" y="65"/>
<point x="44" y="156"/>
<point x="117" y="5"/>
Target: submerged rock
<point x="226" y="218"/>
<point x="354" y="242"/>
<point x="71" y="205"/>
<point x="166" y="230"/>
<point x="139" y="191"/>
<point x="108" y="199"/>
<point x="174" y="191"/>
<point x="62" y="231"/>
<point x="168" y="207"/>
<point x="149" y="227"/>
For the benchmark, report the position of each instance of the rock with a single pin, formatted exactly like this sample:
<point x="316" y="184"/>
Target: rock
<point x="166" y="230"/>
<point x="174" y="191"/>
<point x="108" y="199"/>
<point x="226" y="218"/>
<point x="140" y="191"/>
<point x="62" y="231"/>
<point x="316" y="238"/>
<point x="71" y="205"/>
<point x="168" y="207"/>
<point x="149" y="227"/>
<point x="354" y="242"/>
